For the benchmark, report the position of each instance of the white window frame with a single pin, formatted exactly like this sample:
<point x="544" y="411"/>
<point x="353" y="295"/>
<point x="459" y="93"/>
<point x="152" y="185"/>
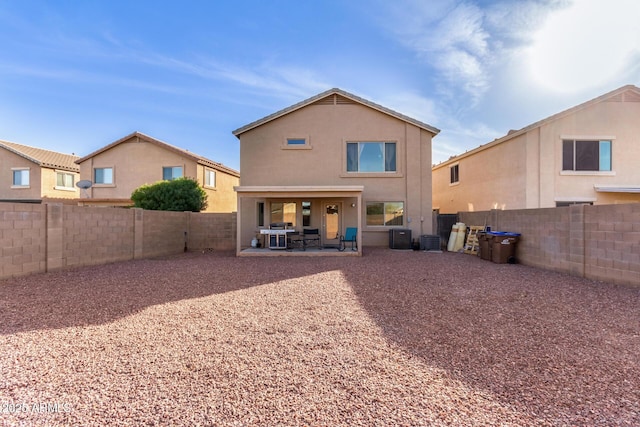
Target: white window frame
<point x="594" y="138"/>
<point x="207" y="174"/>
<point x="13" y="177"/>
<point x="105" y="184"/>
<point x="173" y="168"/>
<point x="62" y="187"/>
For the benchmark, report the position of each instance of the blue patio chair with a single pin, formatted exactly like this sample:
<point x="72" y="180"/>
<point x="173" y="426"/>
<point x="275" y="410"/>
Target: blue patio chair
<point x="350" y="236"/>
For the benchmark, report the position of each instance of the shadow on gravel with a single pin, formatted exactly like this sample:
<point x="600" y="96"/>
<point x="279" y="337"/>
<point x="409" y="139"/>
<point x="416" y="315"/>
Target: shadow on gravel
<point x="561" y="347"/>
<point x="100" y="294"/>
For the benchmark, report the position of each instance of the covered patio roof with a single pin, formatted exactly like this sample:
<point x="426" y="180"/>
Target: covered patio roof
<point x="299" y="191"/>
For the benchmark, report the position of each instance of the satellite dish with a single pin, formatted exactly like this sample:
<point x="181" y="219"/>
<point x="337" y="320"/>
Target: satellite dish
<point x="84" y="184"/>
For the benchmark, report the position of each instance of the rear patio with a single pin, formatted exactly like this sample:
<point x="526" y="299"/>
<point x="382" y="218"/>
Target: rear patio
<point x="388" y="338"/>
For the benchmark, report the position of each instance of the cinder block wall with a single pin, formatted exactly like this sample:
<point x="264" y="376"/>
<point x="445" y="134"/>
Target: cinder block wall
<point x="212" y="231"/>
<point x="47" y="237"/>
<point x="599" y="242"/>
<point x="93" y="235"/>
<point x="23" y="239"/>
<point x="612" y="242"/>
<point x="164" y="233"/>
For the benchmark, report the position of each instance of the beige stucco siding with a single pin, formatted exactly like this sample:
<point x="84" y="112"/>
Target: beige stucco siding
<point x="492" y="179"/>
<point x="617" y="121"/>
<point x="220" y="198"/>
<point x="134" y="163"/>
<point x="10" y="161"/>
<point x="267" y="160"/>
<point x="264" y="156"/>
<point x="49" y="181"/>
<point x="137" y="162"/>
<point x="525" y="170"/>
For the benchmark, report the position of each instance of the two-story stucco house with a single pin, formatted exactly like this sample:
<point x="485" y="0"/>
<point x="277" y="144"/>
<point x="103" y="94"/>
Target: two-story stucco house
<point x="35" y="175"/>
<point x="587" y="154"/>
<point x="334" y="161"/>
<point x="117" y="169"/>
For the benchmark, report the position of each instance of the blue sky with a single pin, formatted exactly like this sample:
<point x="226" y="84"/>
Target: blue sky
<point x="77" y="75"/>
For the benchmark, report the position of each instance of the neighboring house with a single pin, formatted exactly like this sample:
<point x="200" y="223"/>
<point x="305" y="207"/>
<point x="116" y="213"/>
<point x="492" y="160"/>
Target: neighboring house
<point x="335" y="161"/>
<point x="34" y="175"/>
<point x="117" y="169"/>
<point x="586" y="154"/>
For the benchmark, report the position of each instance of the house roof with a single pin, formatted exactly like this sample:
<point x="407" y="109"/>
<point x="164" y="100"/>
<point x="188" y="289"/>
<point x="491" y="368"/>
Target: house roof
<point x="338" y="93"/>
<point x="628" y="92"/>
<point x="43" y="158"/>
<point x="199" y="159"/>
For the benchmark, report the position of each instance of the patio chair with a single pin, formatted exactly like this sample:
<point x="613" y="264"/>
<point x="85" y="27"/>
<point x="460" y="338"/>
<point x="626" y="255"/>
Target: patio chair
<point x="310" y="237"/>
<point x="350" y="236"/>
<point x="295" y="241"/>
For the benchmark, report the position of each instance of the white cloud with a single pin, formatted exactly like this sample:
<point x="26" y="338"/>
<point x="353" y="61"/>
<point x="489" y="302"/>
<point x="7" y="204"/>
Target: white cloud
<point x="588" y="44"/>
<point x="412" y="105"/>
<point x="456" y="45"/>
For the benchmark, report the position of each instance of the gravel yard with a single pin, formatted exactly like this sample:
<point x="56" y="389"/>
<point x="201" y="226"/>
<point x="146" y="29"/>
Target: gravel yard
<point x="391" y="338"/>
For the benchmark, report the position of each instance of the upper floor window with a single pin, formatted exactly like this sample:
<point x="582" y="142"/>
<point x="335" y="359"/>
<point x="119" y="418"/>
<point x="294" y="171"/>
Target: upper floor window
<point x="385" y="213"/>
<point x="371" y="157"/>
<point x="103" y="176"/>
<point x="20" y="177"/>
<point x="171" y="172"/>
<point x="454" y="172"/>
<point x="65" y="180"/>
<point x="209" y="178"/>
<point x="296" y="141"/>
<point x="578" y="155"/>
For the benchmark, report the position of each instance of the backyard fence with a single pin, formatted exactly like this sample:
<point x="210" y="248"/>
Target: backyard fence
<point x="37" y="238"/>
<point x="599" y="242"/>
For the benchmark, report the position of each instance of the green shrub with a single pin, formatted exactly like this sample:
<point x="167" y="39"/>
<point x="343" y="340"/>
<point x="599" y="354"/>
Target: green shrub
<point x="182" y="194"/>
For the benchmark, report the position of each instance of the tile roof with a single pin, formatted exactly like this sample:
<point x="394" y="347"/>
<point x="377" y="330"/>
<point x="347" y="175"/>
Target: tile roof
<point x="335" y="91"/>
<point x="199" y="159"/>
<point x="44" y="158"/>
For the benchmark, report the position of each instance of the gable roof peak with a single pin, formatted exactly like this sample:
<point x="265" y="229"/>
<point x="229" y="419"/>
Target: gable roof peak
<point x="334" y="91"/>
<point x="144" y="137"/>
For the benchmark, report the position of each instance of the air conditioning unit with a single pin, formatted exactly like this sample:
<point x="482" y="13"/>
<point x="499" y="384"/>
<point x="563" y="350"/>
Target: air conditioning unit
<point x="400" y="238"/>
<point x="429" y="242"/>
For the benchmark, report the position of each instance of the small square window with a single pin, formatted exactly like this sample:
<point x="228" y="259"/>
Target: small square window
<point x="171" y="172"/>
<point x="21" y="177"/>
<point x="64" y="180"/>
<point x="103" y="175"/>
